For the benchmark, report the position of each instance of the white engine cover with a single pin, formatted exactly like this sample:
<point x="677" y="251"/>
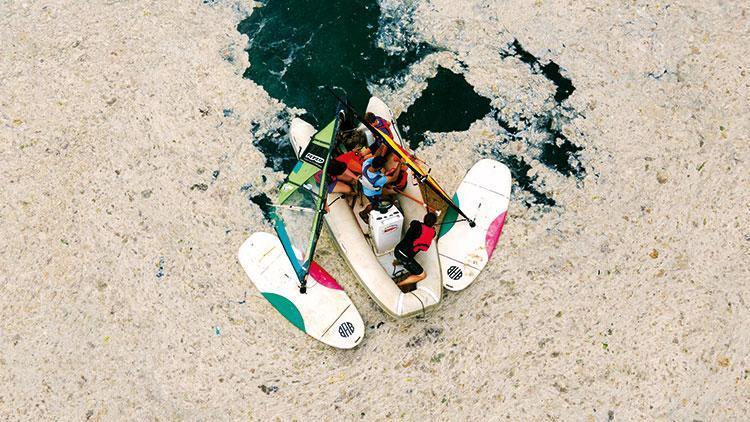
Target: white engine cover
<point x="385" y="229"/>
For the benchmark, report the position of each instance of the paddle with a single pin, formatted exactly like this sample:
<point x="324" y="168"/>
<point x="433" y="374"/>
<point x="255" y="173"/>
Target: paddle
<point x="427" y="207"/>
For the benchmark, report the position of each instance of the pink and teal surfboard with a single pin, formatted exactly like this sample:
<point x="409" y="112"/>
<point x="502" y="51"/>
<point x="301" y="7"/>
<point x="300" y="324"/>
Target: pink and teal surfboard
<point x="464" y="251"/>
<point x="324" y="312"/>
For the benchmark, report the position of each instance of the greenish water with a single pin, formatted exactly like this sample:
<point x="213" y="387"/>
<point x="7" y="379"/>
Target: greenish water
<point x="448" y="104"/>
<point x="550" y="70"/>
<point x="559" y="153"/>
<point x="271" y="137"/>
<point x="298" y="47"/>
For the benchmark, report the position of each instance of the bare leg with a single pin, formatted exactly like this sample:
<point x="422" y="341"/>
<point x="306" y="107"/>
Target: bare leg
<point x="394" y="171"/>
<point x="342" y="187"/>
<point x="390" y="163"/>
<point x="348" y="176"/>
<point x="414" y="278"/>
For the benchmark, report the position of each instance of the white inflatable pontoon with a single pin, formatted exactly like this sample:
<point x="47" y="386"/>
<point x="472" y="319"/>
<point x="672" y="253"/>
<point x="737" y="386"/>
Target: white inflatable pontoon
<point x="373" y="266"/>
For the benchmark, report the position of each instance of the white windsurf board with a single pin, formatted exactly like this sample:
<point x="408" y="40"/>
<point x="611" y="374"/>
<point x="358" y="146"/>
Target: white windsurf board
<point x="464" y="251"/>
<point x="324" y="312"/>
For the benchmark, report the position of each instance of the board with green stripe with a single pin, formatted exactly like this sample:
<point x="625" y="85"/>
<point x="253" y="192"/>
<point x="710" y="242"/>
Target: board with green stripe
<point x="324" y="311"/>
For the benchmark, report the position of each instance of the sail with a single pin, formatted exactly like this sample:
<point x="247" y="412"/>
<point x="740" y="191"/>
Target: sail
<point x="420" y="173"/>
<point x="298" y="215"/>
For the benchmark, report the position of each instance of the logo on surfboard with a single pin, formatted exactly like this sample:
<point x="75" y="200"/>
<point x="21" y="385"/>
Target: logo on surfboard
<point x="454" y="272"/>
<point x="346" y="329"/>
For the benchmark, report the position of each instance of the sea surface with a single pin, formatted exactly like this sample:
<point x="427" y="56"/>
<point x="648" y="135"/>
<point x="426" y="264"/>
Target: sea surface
<point x="140" y="141"/>
<point x="298" y="48"/>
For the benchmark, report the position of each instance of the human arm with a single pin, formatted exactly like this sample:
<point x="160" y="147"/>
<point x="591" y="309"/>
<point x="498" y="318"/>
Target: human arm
<point x="395" y="173"/>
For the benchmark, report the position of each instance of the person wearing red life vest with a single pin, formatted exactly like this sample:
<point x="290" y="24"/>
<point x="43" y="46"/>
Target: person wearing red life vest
<point x="354" y="159"/>
<point x="418" y="238"/>
<point x="355" y="150"/>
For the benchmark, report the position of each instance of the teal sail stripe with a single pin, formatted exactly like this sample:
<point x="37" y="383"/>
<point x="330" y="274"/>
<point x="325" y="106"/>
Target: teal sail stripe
<point x="287" y="244"/>
<point x="450" y="218"/>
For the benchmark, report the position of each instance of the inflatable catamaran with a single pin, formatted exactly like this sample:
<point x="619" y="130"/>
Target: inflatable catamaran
<point x="368" y="248"/>
<point x="476" y="212"/>
<point x="282" y="266"/>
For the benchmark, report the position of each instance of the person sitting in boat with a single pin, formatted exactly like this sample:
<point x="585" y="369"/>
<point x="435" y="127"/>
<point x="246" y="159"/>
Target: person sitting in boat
<point x="356" y="150"/>
<point x="351" y="139"/>
<point x="379" y="146"/>
<point x="374" y="180"/>
<point x="418" y="238"/>
<point x="341" y="178"/>
<point x="399" y="183"/>
<point x="354" y="159"/>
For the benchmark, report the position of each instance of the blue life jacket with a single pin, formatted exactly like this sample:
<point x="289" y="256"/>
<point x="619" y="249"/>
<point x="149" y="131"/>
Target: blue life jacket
<point x="372" y="184"/>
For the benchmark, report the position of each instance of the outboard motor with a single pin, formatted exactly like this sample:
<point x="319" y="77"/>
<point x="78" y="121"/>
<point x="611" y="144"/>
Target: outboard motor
<point x="386" y="224"/>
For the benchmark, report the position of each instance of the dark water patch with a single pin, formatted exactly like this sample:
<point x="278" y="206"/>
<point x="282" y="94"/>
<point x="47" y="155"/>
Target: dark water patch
<point x="550" y="70"/>
<point x="260" y="199"/>
<point x="519" y="169"/>
<point x="297" y="48"/>
<point x="264" y="202"/>
<point x="271" y="137"/>
<point x="504" y="124"/>
<point x="562" y="156"/>
<point x="559" y="153"/>
<point x="448" y="104"/>
<point x="559" y="157"/>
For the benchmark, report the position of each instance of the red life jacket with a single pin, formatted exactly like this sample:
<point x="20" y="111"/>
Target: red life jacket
<point x="422" y="243"/>
<point x="400" y="183"/>
<point x="352" y="160"/>
<point x="349" y="156"/>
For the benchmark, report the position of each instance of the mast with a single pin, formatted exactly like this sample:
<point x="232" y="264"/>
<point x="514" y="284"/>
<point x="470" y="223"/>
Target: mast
<point x="298" y="215"/>
<point x="320" y="205"/>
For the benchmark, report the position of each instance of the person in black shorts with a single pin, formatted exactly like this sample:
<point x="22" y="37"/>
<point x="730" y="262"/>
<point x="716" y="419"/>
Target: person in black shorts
<point x="418" y="238"/>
